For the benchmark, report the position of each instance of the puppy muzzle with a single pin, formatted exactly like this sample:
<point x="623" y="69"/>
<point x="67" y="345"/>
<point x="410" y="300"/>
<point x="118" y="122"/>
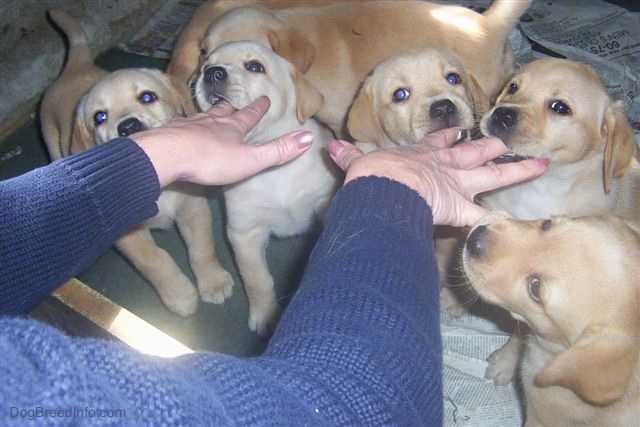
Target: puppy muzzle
<point x="444" y="114"/>
<point x="475" y="246"/>
<point x="130" y="126"/>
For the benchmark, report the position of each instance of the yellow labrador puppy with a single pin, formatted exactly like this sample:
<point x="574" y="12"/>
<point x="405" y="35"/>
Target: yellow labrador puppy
<point x="576" y="284"/>
<point x="282" y="201"/>
<point x="58" y="106"/>
<point x="413" y="93"/>
<point x="128" y="101"/>
<point x="560" y="109"/>
<point x="337" y="44"/>
<point x="407" y="96"/>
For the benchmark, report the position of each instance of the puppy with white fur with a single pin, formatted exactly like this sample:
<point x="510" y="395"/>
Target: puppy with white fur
<point x="283" y="201"/>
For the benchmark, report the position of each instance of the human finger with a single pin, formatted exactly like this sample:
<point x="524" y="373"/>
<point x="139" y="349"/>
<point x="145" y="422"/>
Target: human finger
<point x="443" y="138"/>
<point x="343" y="153"/>
<point x="471" y="154"/>
<point x="275" y="152"/>
<point x="494" y="176"/>
<point x="250" y="115"/>
<point x="221" y="109"/>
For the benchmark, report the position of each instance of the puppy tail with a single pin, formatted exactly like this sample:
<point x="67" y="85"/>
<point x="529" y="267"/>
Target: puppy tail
<point x="505" y="14"/>
<point x="79" y="50"/>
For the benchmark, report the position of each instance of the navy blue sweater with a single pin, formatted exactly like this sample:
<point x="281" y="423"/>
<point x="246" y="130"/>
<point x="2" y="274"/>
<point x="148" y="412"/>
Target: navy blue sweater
<point x="358" y="345"/>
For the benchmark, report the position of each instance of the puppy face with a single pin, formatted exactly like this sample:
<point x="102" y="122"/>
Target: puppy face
<point x="575" y="283"/>
<point x="412" y="94"/>
<point x="560" y="109"/>
<point x="128" y="101"/>
<point x="241" y="72"/>
<point x="261" y="26"/>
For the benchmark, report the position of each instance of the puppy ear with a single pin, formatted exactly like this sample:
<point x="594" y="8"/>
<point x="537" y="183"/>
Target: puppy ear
<point x="183" y="95"/>
<point x="597" y="368"/>
<point x="621" y="147"/>
<point x="293" y="46"/>
<point x="362" y="121"/>
<point x="480" y="99"/>
<point x="308" y="99"/>
<point x="80" y="139"/>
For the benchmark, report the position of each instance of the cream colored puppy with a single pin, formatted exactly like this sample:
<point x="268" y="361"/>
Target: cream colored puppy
<point x="336" y="44"/>
<point x="407" y="96"/>
<point x="560" y="109"/>
<point x="413" y="93"/>
<point x="120" y="104"/>
<point x="576" y="284"/>
<point x="283" y="201"/>
<point x="58" y="106"/>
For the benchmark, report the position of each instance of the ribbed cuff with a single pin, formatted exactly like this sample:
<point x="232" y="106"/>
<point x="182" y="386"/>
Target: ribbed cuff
<point x="122" y="195"/>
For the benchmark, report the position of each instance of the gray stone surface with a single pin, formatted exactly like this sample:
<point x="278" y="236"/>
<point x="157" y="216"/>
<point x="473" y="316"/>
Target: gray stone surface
<point x="32" y="51"/>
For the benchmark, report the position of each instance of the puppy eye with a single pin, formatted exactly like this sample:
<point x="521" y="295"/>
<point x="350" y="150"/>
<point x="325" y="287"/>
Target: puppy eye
<point x="560" y="108"/>
<point x="401" y="94"/>
<point x="147" y="97"/>
<point x="203" y="52"/>
<point x="100" y="117"/>
<point x="513" y="88"/>
<point x="254" y="67"/>
<point x="545" y="225"/>
<point x="533" y="286"/>
<point x="453" y="78"/>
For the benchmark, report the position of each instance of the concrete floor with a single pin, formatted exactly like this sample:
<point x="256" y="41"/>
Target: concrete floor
<point x="32" y="51"/>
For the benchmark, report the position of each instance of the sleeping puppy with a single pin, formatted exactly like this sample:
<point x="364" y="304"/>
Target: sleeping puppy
<point x="283" y="201"/>
<point x="131" y="100"/>
<point x="58" y="106"/>
<point x="560" y="109"/>
<point x="336" y="45"/>
<point x="413" y="93"/>
<point x="576" y="284"/>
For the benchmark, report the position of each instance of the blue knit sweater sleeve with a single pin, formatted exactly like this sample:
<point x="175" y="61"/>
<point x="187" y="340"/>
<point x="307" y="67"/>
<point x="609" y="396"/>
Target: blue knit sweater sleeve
<point x="55" y="221"/>
<point x="358" y="345"/>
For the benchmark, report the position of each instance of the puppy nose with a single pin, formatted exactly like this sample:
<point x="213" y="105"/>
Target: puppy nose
<point x="215" y="74"/>
<point x="475" y="245"/>
<point x="504" y="118"/>
<point x="442" y="109"/>
<point x="129" y="126"/>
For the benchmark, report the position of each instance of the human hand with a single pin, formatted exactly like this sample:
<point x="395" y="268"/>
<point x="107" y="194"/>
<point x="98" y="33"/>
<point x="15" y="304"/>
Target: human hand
<point x="447" y="177"/>
<point x="208" y="148"/>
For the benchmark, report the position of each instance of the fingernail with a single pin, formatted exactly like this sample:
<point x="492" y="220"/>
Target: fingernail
<point x="334" y="146"/>
<point x="542" y="161"/>
<point x="303" y="139"/>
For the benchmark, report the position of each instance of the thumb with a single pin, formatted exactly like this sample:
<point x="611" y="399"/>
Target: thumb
<point x="343" y="153"/>
<point x="280" y="150"/>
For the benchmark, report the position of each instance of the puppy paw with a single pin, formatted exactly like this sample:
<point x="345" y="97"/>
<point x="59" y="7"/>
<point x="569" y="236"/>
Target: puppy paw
<point x="216" y="288"/>
<point x="263" y="320"/>
<point x="502" y="365"/>
<point x="180" y="298"/>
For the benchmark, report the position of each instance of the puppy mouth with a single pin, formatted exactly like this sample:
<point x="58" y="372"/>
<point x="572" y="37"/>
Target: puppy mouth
<point x="510" y="157"/>
<point x="217" y="98"/>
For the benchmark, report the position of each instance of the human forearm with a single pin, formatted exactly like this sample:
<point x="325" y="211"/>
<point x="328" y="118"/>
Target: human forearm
<point x="56" y="220"/>
<point x="367" y="311"/>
